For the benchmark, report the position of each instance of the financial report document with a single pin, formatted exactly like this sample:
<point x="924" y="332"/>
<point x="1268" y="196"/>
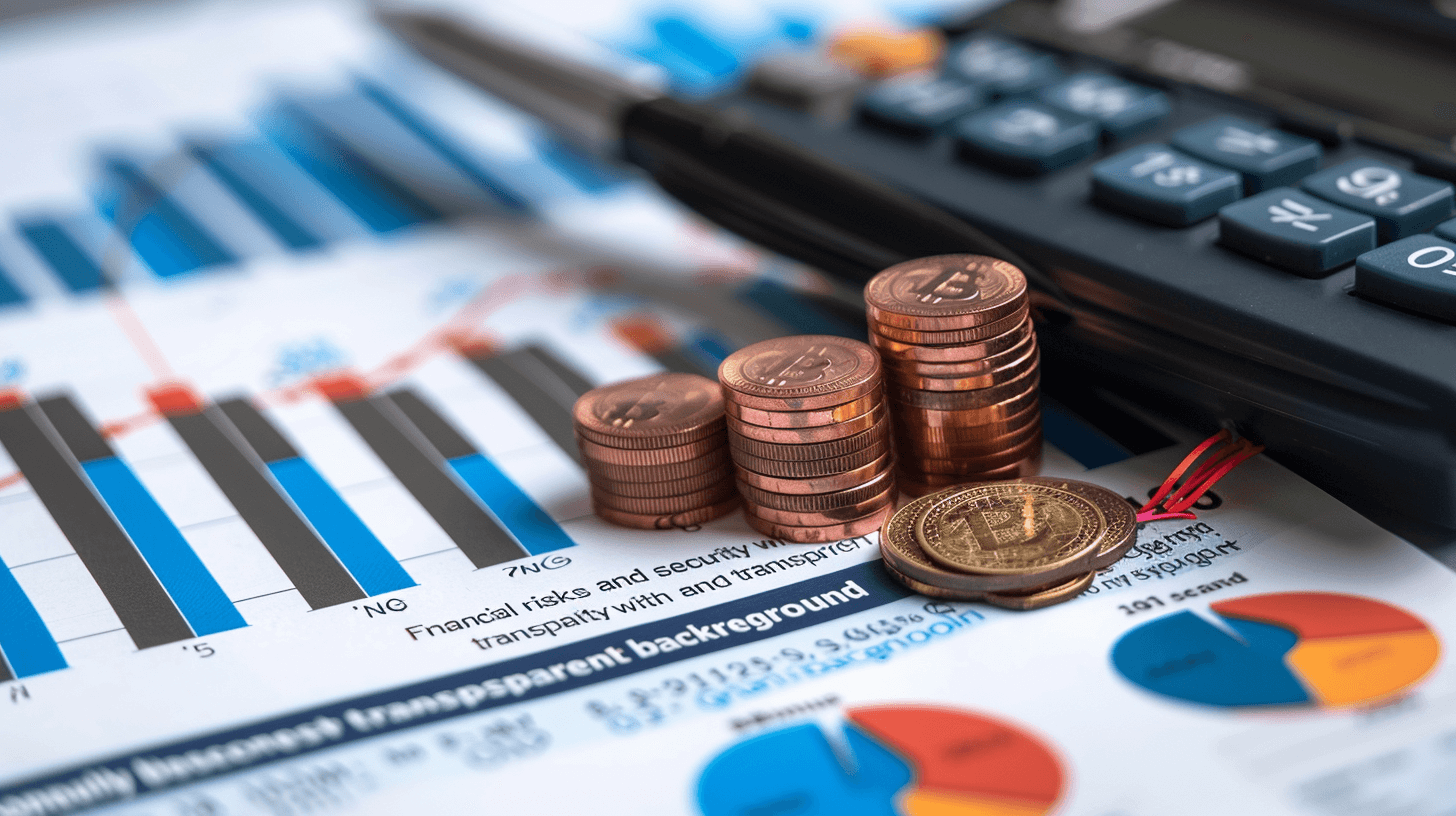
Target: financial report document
<point x="292" y="519"/>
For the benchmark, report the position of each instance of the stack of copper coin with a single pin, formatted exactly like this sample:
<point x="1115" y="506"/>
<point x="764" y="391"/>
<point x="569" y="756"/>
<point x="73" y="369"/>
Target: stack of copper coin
<point x="1022" y="544"/>
<point x="962" y="369"/>
<point x="656" y="451"/>
<point x="809" y="436"/>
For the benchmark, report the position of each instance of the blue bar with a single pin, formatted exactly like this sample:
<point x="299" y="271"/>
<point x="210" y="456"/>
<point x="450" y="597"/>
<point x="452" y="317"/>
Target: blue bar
<point x="709" y="349"/>
<point x="363" y="555"/>
<point x="797" y="311"/>
<point x="168" y="239"/>
<point x="448" y="150"/>
<point x="381" y="203"/>
<point x="589" y="176"/>
<point x="289" y="231"/>
<point x="1078" y="439"/>
<point x="524" y="518"/>
<point x="694" y="45"/>
<point x="24" y="638"/>
<point x="70" y="263"/>
<point x="196" y="593"/>
<point x="9" y="292"/>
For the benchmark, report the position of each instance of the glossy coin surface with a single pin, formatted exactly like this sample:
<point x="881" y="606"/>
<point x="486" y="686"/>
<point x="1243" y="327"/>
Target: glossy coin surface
<point x="975" y="334"/>
<point x="970" y="400"/>
<point x="1010" y="528"/>
<point x="806" y="419"/>
<point x="954" y="353"/>
<point x="812" y="468"/>
<point x="800" y="373"/>
<point x="812" y="451"/>
<point x="817" y="484"/>
<point x="967" y="463"/>
<point x="716" y="459"/>
<point x="966" y="417"/>
<point x="979" y="365"/>
<point x="651" y="521"/>
<point x="664" y="505"/>
<point x="910" y="431"/>
<point x="659" y="411"/>
<point x="818" y="534"/>
<point x="819" y="502"/>
<point x="968" y="382"/>
<point x="646" y="457"/>
<point x="1117" y="512"/>
<point x="644" y="489"/>
<point x="945" y="292"/>
<point x="1041" y="598"/>
<point x="798" y="436"/>
<point x="839" y="515"/>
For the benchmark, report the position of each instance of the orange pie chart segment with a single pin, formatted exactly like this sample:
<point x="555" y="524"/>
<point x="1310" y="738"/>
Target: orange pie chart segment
<point x="965" y="764"/>
<point x="1364" y="669"/>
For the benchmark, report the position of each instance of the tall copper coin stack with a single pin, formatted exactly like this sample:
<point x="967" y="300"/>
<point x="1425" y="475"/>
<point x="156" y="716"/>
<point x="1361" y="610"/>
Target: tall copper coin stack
<point x="656" y="451"/>
<point x="809" y="435"/>
<point x="962" y="369"/>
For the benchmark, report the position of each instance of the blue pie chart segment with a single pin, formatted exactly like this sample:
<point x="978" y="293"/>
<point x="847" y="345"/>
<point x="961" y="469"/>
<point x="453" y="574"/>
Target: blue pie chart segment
<point x="1185" y="657"/>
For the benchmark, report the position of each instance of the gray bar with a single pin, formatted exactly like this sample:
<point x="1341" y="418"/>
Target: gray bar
<point x="543" y="385"/>
<point x="265" y="440"/>
<point x="382" y="426"/>
<point x="312" y="567"/>
<point x="436" y="430"/>
<point x="144" y="607"/>
<point x="675" y="359"/>
<point x="5" y="672"/>
<point x="85" y="442"/>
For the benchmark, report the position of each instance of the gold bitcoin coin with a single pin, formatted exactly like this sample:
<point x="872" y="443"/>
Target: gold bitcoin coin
<point x="1038" y="598"/>
<point x="1119" y="515"/>
<point x="1011" y="528"/>
<point x="945" y="292"/>
<point x="800" y="373"/>
<point x="659" y="411"/>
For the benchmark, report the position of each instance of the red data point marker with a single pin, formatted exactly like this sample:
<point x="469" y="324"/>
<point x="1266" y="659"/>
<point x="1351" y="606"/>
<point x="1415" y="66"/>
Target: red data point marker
<point x="175" y="399"/>
<point x="341" y="387"/>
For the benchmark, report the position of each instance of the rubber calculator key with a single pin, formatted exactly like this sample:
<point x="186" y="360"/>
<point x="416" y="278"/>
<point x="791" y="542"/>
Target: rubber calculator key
<point x="1027" y="137"/>
<point x="920" y="105"/>
<point x="1121" y="107"/>
<point x="1401" y="202"/>
<point x="1296" y="231"/>
<point x="1267" y="158"/>
<point x="1157" y="183"/>
<point x="1447" y="230"/>
<point x="1416" y="273"/>
<point x="1000" y="66"/>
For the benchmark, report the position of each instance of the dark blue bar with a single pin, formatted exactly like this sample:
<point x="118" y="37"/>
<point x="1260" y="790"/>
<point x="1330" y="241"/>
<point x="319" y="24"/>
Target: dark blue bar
<point x="797" y="311"/>
<point x="70" y="263"/>
<point x="694" y="45"/>
<point x="448" y="150"/>
<point x="708" y="348"/>
<point x="522" y="517"/>
<point x="196" y="593"/>
<point x="289" y="231"/>
<point x="380" y="202"/>
<point x="589" y="176"/>
<point x="168" y="239"/>
<point x="9" y="293"/>
<point x="24" y="638"/>
<point x="361" y="553"/>
<point x="1078" y="439"/>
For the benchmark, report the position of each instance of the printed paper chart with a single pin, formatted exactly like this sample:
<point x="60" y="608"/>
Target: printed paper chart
<point x="893" y="761"/>
<point x="1283" y="649"/>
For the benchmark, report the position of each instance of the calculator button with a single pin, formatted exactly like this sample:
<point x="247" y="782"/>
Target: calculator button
<point x="920" y="105"/>
<point x="1122" y="107"/>
<point x="1267" y="158"/>
<point x="1027" y="137"/>
<point x="1447" y="230"/>
<point x="1000" y="66"/>
<point x="1416" y="273"/>
<point x="1401" y="202"/>
<point x="1160" y="184"/>
<point x="1296" y="231"/>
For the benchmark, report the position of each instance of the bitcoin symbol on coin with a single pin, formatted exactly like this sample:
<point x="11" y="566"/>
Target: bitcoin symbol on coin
<point x="948" y="284"/>
<point x="627" y="412"/>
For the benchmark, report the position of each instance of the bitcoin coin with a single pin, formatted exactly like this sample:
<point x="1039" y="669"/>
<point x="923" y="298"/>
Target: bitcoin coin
<point x="800" y="373"/>
<point x="1038" y="599"/>
<point x="664" y="505"/>
<point x="945" y="292"/>
<point x="660" y="411"/>
<point x="819" y="502"/>
<point x="970" y="399"/>
<point x="806" y="419"/>
<point x="894" y="351"/>
<point x="1011" y="528"/>
<point x="646" y="457"/>
<point x="843" y="480"/>
<point x="799" y="436"/>
<point x="655" y="521"/>
<point x="837" y="515"/>
<point x="966" y="382"/>
<point x="1117" y="512"/>
<point x="818" y="534"/>
<point x="946" y="338"/>
<point x="793" y="469"/>
<point x="714" y="461"/>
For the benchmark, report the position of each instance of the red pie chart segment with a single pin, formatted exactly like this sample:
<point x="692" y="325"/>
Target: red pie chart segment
<point x="1322" y="614"/>
<point x="965" y="764"/>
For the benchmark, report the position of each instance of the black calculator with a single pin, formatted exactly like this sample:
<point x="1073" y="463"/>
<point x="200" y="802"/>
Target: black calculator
<point x="1248" y="236"/>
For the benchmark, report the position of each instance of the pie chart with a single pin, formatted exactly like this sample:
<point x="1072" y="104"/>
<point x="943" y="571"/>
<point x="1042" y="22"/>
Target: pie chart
<point x="1308" y="649"/>
<point x="899" y="760"/>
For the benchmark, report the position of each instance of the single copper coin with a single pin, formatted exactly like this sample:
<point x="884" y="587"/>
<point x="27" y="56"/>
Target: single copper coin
<point x="1011" y="528"/>
<point x="838" y="515"/>
<point x="817" y="484"/>
<point x="652" y="521"/>
<point x="819" y="502"/>
<point x="659" y="411"/>
<point x="798" y="436"/>
<point x="979" y="365"/>
<point x="648" y="456"/>
<point x="975" y="334"/>
<point x="962" y="400"/>
<point x="715" y="460"/>
<point x="962" y="417"/>
<point x="819" y="534"/>
<point x="945" y="292"/>
<point x="1118" y="512"/>
<point x="666" y="487"/>
<point x="812" y="468"/>
<point x="800" y="373"/>
<point x="665" y="505"/>
<point x="878" y="434"/>
<point x="807" y="419"/>
<point x="968" y="382"/>
<point x="953" y="353"/>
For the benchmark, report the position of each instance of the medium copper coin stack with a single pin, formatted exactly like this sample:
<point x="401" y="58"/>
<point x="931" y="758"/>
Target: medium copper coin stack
<point x="1023" y="544"/>
<point x="656" y="451"/>
<point x="962" y="369"/>
<point x="810" y="437"/>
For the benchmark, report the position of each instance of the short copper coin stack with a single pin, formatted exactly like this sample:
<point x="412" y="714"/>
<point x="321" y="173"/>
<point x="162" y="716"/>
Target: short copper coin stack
<point x="809" y="435"/>
<point x="656" y="451"/>
<point x="962" y="369"/>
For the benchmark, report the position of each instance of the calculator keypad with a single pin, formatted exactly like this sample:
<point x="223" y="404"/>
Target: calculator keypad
<point x="1296" y="231"/>
<point x="1267" y="158"/>
<point x="920" y="105"/>
<point x="1000" y="66"/>
<point x="1401" y="202"/>
<point x="1121" y="107"/>
<point x="1160" y="184"/>
<point x="1027" y="137"/>
<point x="1416" y="273"/>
